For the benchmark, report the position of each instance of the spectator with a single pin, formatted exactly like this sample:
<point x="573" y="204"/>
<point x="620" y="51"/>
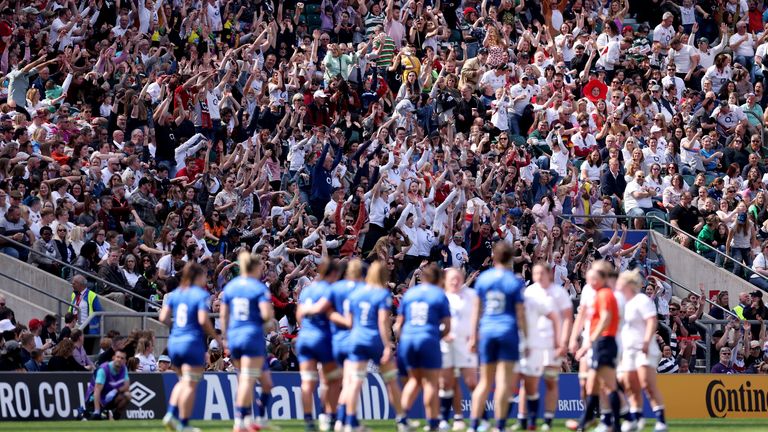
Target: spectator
<point x="63" y="359"/>
<point x="667" y="363"/>
<point x="110" y="272"/>
<point x="724" y="366"/>
<point x="79" y="353"/>
<point x="164" y="364"/>
<point x="83" y="303"/>
<point x="35" y="363"/>
<point x="147" y="362"/>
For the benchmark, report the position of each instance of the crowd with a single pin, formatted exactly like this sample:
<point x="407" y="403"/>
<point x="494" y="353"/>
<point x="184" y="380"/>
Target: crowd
<point x="137" y="136"/>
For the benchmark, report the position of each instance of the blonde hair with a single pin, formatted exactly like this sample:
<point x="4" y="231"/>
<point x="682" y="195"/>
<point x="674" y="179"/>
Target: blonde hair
<point x="631" y="278"/>
<point x="250" y="264"/>
<point x="377" y="274"/>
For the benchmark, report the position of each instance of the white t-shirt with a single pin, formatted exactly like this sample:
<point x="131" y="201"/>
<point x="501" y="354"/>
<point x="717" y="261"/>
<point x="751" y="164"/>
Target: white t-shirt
<point x="538" y="304"/>
<point x="747" y="48"/>
<point x="731" y="119"/>
<point x="663" y="34"/>
<point x="458" y="254"/>
<point x="631" y="202"/>
<point x="166" y="263"/>
<point x="717" y="77"/>
<point x="760" y="263"/>
<point x="637" y="311"/>
<point x="495" y="81"/>
<point x="682" y="58"/>
<point x="147" y="363"/>
<point x="518" y="90"/>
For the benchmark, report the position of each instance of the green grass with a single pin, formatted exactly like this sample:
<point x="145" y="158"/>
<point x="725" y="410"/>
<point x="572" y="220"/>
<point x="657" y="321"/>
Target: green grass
<point x="715" y="425"/>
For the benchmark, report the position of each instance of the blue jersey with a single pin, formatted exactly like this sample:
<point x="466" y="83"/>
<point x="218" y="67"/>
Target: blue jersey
<point x="318" y="325"/>
<point x="499" y="291"/>
<point x="242" y="295"/>
<point x="339" y="293"/>
<point x="365" y="304"/>
<point x="424" y="307"/>
<point x="185" y="304"/>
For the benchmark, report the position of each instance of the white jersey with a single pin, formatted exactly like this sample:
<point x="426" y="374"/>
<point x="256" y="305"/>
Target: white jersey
<point x="461" y="304"/>
<point x="588" y="302"/>
<point x="637" y="311"/>
<point x="538" y="304"/>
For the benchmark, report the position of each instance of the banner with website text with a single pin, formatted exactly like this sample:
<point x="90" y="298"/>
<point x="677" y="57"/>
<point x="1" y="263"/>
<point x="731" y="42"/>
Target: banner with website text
<point x="57" y="396"/>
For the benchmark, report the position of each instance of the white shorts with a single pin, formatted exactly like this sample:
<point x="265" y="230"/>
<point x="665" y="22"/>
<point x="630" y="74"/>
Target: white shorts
<point x="537" y="360"/>
<point x="456" y="354"/>
<point x="633" y="359"/>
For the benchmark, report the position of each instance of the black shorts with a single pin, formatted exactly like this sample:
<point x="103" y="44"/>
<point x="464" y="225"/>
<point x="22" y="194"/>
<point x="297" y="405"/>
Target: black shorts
<point x="604" y="352"/>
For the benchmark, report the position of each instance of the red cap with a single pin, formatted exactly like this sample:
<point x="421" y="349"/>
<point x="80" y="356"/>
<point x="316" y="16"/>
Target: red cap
<point x="469" y="10"/>
<point x="627" y="28"/>
<point x="34" y="323"/>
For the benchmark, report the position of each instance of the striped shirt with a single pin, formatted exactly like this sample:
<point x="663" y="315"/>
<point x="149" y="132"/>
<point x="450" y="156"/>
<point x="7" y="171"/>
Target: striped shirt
<point x="667" y="365"/>
<point x="371" y="21"/>
<point x="387" y="52"/>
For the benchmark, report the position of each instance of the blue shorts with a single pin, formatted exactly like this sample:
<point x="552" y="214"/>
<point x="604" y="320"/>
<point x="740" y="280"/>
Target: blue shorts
<point x="420" y="353"/>
<point x="241" y="347"/>
<point x="319" y="350"/>
<point x="364" y="353"/>
<point x="604" y="352"/>
<point x="493" y="349"/>
<point x="184" y="353"/>
<point x="341" y="348"/>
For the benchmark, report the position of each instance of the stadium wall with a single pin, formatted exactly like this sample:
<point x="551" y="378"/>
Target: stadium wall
<point x="57" y="396"/>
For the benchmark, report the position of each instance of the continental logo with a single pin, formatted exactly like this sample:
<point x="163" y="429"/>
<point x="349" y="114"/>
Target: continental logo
<point x="722" y="400"/>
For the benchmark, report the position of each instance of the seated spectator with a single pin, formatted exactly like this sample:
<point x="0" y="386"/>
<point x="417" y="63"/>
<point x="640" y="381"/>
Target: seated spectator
<point x="638" y="199"/>
<point x="35" y="363"/>
<point x="63" y="359"/>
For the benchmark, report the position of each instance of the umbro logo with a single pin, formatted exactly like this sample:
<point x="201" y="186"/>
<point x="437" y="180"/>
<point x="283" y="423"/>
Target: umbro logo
<point x="141" y="394"/>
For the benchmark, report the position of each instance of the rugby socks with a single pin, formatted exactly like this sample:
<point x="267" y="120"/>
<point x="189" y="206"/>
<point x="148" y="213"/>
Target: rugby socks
<point x="184" y="422"/>
<point x="433" y="424"/>
<point x="446" y="402"/>
<point x="352" y="421"/>
<point x="634" y="415"/>
<point x="501" y="423"/>
<point x="241" y="414"/>
<point x="522" y="421"/>
<point x="548" y="417"/>
<point x="263" y="405"/>
<point x="402" y="419"/>
<point x="474" y="424"/>
<point x="626" y="414"/>
<point x="606" y="417"/>
<point x="173" y="410"/>
<point x="309" y="421"/>
<point x="532" y="402"/>
<point x="332" y="416"/>
<point x="593" y="402"/>
<point x="615" y="401"/>
<point x="510" y="408"/>
<point x="658" y="411"/>
<point x="341" y="414"/>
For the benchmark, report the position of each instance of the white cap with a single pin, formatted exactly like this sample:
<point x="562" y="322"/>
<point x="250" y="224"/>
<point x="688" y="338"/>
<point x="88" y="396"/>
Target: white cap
<point x="319" y="93"/>
<point x="655" y="129"/>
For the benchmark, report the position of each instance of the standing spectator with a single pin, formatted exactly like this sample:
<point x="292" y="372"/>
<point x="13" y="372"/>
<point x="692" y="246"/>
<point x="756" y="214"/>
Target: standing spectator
<point x="83" y="303"/>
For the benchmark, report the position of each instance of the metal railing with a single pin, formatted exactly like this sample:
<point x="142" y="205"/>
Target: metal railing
<point x="88" y="275"/>
<point x="747" y="271"/>
<point x="678" y="284"/>
<point x="59" y="309"/>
